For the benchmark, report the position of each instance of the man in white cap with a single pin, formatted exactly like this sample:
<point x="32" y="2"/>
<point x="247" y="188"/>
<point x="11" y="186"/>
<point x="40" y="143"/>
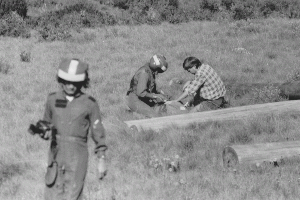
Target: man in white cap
<point x="72" y="114"/>
<point x="142" y="96"/>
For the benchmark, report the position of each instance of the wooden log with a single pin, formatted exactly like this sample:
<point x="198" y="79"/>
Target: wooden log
<point x="258" y="153"/>
<point x="233" y="113"/>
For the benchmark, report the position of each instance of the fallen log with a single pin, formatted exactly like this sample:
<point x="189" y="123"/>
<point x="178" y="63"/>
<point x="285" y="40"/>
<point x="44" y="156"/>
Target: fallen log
<point x="258" y="153"/>
<point x="234" y="113"/>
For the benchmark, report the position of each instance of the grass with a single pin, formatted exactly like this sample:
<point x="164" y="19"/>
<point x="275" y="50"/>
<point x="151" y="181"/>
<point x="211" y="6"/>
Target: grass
<point x="243" y="53"/>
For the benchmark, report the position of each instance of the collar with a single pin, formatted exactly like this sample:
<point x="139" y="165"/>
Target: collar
<point x="63" y="95"/>
<point x="70" y="98"/>
<point x="154" y="73"/>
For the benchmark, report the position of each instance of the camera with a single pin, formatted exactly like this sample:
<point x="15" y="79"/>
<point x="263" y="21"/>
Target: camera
<point x="40" y="128"/>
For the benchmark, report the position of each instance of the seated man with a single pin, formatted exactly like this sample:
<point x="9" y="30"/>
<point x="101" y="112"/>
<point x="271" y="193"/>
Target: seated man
<point x="206" y="91"/>
<point x="142" y="96"/>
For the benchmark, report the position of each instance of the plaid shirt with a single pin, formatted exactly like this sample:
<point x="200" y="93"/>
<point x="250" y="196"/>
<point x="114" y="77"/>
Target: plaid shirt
<point x="210" y="84"/>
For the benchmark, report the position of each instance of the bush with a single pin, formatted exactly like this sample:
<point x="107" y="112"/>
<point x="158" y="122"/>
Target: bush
<point x="78" y="15"/>
<point x="244" y="10"/>
<point x="290" y="8"/>
<point x="150" y="12"/>
<point x="266" y="94"/>
<point x="211" y="5"/>
<point x="175" y="16"/>
<point x="122" y="4"/>
<point x="19" y="6"/>
<point x="56" y="25"/>
<point x="13" y="25"/>
<point x="25" y="56"/>
<point x="52" y="3"/>
<point x="127" y="4"/>
<point x="51" y="33"/>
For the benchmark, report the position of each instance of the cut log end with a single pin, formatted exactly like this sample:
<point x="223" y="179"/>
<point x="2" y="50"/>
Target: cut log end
<point x="230" y="158"/>
<point x="134" y="128"/>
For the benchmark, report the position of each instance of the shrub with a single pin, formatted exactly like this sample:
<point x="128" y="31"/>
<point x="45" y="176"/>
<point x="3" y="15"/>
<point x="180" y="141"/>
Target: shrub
<point x="211" y="5"/>
<point x="123" y="4"/>
<point x="13" y="25"/>
<point x="268" y="8"/>
<point x="56" y="25"/>
<point x="51" y="33"/>
<point x="25" y="56"/>
<point x="52" y="3"/>
<point x="244" y="10"/>
<point x="292" y="8"/>
<point x="127" y="4"/>
<point x="78" y="15"/>
<point x="266" y="94"/>
<point x="19" y="6"/>
<point x="150" y="12"/>
<point x="174" y="16"/>
<point x="227" y="4"/>
<point x="294" y="75"/>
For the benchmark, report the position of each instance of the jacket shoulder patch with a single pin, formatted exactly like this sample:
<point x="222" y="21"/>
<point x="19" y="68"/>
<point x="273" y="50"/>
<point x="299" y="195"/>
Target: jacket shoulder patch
<point x="61" y="103"/>
<point x="92" y="99"/>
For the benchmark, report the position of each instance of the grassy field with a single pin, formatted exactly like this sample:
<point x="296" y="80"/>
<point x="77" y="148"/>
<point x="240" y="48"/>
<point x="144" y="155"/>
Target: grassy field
<point x="243" y="52"/>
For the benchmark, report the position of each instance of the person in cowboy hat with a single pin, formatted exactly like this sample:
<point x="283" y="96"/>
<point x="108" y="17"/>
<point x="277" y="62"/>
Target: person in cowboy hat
<point x="72" y="114"/>
<point x="142" y="96"/>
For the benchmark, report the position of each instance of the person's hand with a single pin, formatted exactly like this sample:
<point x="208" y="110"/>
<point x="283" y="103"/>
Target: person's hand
<point x="46" y="135"/>
<point x="169" y="102"/>
<point x="162" y="92"/>
<point x="102" y="171"/>
<point x="160" y="98"/>
<point x="182" y="108"/>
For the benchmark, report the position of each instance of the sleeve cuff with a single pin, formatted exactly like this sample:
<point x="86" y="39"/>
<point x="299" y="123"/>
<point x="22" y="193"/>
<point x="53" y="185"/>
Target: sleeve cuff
<point x="101" y="154"/>
<point x="101" y="151"/>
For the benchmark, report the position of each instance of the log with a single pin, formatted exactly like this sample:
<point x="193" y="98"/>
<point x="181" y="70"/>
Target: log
<point x="234" y="113"/>
<point x="258" y="153"/>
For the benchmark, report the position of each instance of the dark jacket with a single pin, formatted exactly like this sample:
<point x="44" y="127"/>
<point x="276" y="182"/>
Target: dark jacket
<point x="143" y="83"/>
<point x="72" y="122"/>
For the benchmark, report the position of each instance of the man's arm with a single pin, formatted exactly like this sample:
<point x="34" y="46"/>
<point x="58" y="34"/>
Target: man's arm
<point x="98" y="135"/>
<point x="47" y="120"/>
<point x="182" y="96"/>
<point x="97" y="130"/>
<point x="142" y="86"/>
<point x="192" y="87"/>
<point x="48" y="113"/>
<point x="142" y="89"/>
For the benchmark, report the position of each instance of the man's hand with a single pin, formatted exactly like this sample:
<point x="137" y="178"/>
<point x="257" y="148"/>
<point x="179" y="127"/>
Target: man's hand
<point x="42" y="128"/>
<point x="160" y="98"/>
<point x="102" y="171"/>
<point x="169" y="102"/>
<point x="182" y="108"/>
<point x="46" y="136"/>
